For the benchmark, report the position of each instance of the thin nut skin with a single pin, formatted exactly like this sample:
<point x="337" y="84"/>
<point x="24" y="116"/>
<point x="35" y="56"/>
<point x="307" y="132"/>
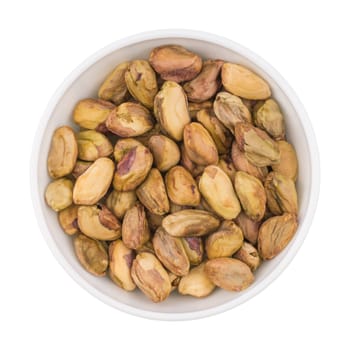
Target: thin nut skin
<point x="220" y="135"/>
<point x="63" y="152"/>
<point x="251" y="194"/>
<point x="98" y="223"/>
<point x="196" y="283"/>
<point x="249" y="227"/>
<point x="268" y="116"/>
<point x="170" y="251"/>
<point x="119" y="202"/>
<point x="90" y="113"/>
<point x="181" y="187"/>
<point x="165" y="152"/>
<point x="91" y="254"/>
<point x="281" y="194"/>
<point x="241" y="163"/>
<point x="195" y="107"/>
<point x="120" y="262"/>
<point x="230" y="110"/>
<point x="224" y="243"/>
<point x="152" y="193"/>
<point x="249" y="255"/>
<point x="114" y="87"/>
<point x="68" y="219"/>
<point x="217" y="189"/>
<point x="171" y="109"/>
<point x="275" y="234"/>
<point x="199" y="145"/>
<point x="227" y="166"/>
<point x="129" y="119"/>
<point x="259" y="148"/>
<point x="207" y="82"/>
<point x="123" y="146"/>
<point x="135" y="230"/>
<point x="194" y="249"/>
<point x="133" y="169"/>
<point x="175" y="63"/>
<point x="151" y="277"/>
<point x="141" y="82"/>
<point x="58" y="194"/>
<point x="288" y="165"/>
<point x="241" y="81"/>
<point x="93" y="145"/>
<point x="190" y="222"/>
<point x="229" y="274"/>
<point x="80" y="167"/>
<point x="93" y="184"/>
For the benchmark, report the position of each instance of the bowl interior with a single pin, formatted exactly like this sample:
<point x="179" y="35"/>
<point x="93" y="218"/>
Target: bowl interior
<point x="86" y="85"/>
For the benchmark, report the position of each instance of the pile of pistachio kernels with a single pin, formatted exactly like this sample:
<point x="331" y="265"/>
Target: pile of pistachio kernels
<point x="180" y="176"/>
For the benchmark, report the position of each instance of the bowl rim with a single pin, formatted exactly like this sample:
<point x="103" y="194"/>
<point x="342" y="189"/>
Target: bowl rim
<point x="229" y="44"/>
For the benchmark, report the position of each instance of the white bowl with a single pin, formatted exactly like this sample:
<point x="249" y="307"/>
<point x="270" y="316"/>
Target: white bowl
<point x="84" y="82"/>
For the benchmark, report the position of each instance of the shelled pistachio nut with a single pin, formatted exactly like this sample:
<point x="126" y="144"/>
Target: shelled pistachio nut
<point x="80" y="167"/>
<point x="58" y="194"/>
<point x="119" y="202"/>
<point x="171" y="109"/>
<point x="227" y="166"/>
<point x="91" y="254"/>
<point x="93" y="145"/>
<point x="175" y="63"/>
<point x="151" y="277"/>
<point x="194" y="249"/>
<point x="63" y="152"/>
<point x="249" y="255"/>
<point x="120" y="262"/>
<point x="123" y="146"/>
<point x="187" y="163"/>
<point x="249" y="227"/>
<point x="93" y="184"/>
<point x="288" y="165"/>
<point x="68" y="219"/>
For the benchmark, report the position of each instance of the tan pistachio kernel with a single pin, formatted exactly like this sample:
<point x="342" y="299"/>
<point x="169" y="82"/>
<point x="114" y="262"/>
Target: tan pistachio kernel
<point x="63" y="152"/>
<point x="268" y="117"/>
<point x="170" y="251"/>
<point x="154" y="220"/>
<point x="120" y="262"/>
<point x="281" y="194"/>
<point x="241" y="163"/>
<point x="199" y="145"/>
<point x="275" y="234"/>
<point x="230" y="274"/>
<point x="241" y="81"/>
<point x="132" y="169"/>
<point x="230" y="110"/>
<point x="165" y="152"/>
<point x="152" y="193"/>
<point x="58" y="194"/>
<point x="187" y="163"/>
<point x="249" y="255"/>
<point x="175" y="63"/>
<point x="220" y="135"/>
<point x="119" y="202"/>
<point x="196" y="283"/>
<point x="205" y="85"/>
<point x="194" y="107"/>
<point x="129" y="119"/>
<point x="151" y="277"/>
<point x="68" y="219"/>
<point x="141" y="82"/>
<point x="123" y="146"/>
<point x="224" y="242"/>
<point x="190" y="222"/>
<point x="114" y="87"/>
<point x="80" y="167"/>
<point x="227" y="166"/>
<point x="288" y="165"/>
<point x="194" y="249"/>
<point x="93" y="184"/>
<point x="171" y="110"/>
<point x="259" y="148"/>
<point x="217" y="189"/>
<point x="91" y="254"/>
<point x="181" y="187"/>
<point x="135" y="230"/>
<point x="98" y="222"/>
<point x="249" y="227"/>
<point x="90" y="113"/>
<point x="93" y="145"/>
<point x="251" y="194"/>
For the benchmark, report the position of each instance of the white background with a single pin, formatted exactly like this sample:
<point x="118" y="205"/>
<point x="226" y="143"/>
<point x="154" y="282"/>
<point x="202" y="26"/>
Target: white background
<point x="306" y="307"/>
